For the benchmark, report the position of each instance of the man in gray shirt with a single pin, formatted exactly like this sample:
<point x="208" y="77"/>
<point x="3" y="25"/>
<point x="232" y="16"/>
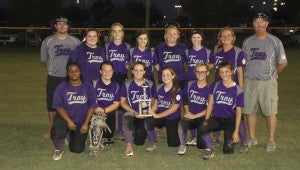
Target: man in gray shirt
<point x="55" y="52"/>
<point x="265" y="59"/>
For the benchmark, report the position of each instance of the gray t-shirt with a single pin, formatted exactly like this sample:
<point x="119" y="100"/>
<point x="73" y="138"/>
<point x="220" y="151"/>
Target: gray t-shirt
<point x="263" y="56"/>
<point x="56" y="52"/>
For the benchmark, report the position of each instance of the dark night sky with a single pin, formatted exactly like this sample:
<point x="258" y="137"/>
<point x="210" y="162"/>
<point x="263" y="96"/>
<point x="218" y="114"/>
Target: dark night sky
<point x="166" y="7"/>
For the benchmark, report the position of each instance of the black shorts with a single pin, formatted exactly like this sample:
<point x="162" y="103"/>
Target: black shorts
<point x="171" y="128"/>
<point x="60" y="130"/>
<point x="119" y="78"/>
<point x="52" y="83"/>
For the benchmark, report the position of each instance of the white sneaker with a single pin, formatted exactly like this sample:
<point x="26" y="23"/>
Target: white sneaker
<point x="181" y="150"/>
<point x="151" y="147"/>
<point x="208" y="153"/>
<point x="129" y="150"/>
<point x="271" y="146"/>
<point x="192" y="142"/>
<point x="252" y="142"/>
<point x="57" y="155"/>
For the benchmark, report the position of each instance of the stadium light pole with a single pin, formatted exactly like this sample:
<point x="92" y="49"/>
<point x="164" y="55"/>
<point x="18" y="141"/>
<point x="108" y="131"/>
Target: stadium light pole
<point x="147" y="24"/>
<point x="178" y="7"/>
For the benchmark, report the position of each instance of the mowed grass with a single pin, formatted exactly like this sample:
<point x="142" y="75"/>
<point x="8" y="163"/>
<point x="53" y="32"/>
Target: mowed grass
<point x="23" y="120"/>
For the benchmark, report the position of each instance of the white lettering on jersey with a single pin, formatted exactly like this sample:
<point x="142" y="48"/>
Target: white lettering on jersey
<point x="74" y="99"/>
<point x="171" y="58"/>
<point x="93" y="58"/>
<point x="221" y="99"/>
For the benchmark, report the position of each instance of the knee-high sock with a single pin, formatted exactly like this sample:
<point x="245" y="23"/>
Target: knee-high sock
<point x="217" y="135"/>
<point x="243" y="132"/>
<point x="120" y="126"/>
<point x="207" y="141"/>
<point x="58" y="144"/>
<point x="128" y="136"/>
<point x="152" y="136"/>
<point x="193" y="133"/>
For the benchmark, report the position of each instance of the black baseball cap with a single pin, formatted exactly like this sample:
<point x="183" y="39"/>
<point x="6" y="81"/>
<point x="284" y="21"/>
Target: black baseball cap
<point x="261" y="15"/>
<point x="62" y="19"/>
<point x="196" y="31"/>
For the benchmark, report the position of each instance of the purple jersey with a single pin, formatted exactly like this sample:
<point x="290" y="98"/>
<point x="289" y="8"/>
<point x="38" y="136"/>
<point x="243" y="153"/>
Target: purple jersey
<point x="133" y="92"/>
<point x="173" y="57"/>
<point x="235" y="56"/>
<point x="164" y="101"/>
<point x="119" y="56"/>
<point x="76" y="100"/>
<point x="106" y="94"/>
<point x="89" y="60"/>
<point x="145" y="57"/>
<point x="196" y="97"/>
<point x="226" y="99"/>
<point x="194" y="57"/>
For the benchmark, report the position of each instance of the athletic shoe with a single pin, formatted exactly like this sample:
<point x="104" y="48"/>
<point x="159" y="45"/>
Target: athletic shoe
<point x="108" y="141"/>
<point x="215" y="143"/>
<point x="151" y="147"/>
<point x="160" y="132"/>
<point x="192" y="142"/>
<point x="244" y="148"/>
<point x="94" y="152"/>
<point x="46" y="136"/>
<point x="208" y="153"/>
<point x="181" y="150"/>
<point x="57" y="155"/>
<point x="66" y="140"/>
<point x="252" y="142"/>
<point x="119" y="136"/>
<point x="129" y="150"/>
<point x="271" y="146"/>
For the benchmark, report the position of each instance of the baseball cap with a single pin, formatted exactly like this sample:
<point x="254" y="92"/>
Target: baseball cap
<point x="261" y="15"/>
<point x="196" y="31"/>
<point x="61" y="19"/>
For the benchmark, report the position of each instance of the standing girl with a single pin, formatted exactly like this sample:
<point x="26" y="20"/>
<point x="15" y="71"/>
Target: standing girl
<point x="227" y="51"/>
<point x="171" y="54"/>
<point x="117" y="52"/>
<point x="143" y="53"/>
<point x="89" y="55"/>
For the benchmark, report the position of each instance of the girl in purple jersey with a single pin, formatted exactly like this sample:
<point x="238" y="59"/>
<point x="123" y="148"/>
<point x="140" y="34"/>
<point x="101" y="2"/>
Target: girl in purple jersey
<point x="226" y="100"/>
<point x="117" y="52"/>
<point x="166" y="108"/>
<point x="226" y="51"/>
<point x="196" y="54"/>
<point x="89" y="55"/>
<point x="143" y="53"/>
<point x="108" y="99"/>
<point x="132" y="91"/>
<point x="75" y="102"/>
<point x="195" y="96"/>
<point x="171" y="54"/>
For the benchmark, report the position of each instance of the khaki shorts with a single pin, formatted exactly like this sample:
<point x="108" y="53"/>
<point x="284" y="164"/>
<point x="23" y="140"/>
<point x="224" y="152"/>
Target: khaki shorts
<point x="263" y="93"/>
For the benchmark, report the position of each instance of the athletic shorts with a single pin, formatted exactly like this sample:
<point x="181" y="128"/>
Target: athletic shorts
<point x="52" y="83"/>
<point x="263" y="93"/>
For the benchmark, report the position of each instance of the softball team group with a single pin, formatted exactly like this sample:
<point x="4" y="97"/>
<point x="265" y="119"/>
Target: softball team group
<point x="86" y="79"/>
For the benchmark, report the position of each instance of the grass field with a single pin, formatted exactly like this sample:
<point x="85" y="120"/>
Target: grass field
<point x="23" y="120"/>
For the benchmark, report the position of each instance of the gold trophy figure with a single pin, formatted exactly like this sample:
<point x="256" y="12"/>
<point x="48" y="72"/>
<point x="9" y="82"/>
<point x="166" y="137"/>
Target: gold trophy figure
<point x="144" y="103"/>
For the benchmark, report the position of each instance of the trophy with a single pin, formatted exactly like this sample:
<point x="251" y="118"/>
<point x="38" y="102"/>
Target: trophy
<point x="144" y="103"/>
